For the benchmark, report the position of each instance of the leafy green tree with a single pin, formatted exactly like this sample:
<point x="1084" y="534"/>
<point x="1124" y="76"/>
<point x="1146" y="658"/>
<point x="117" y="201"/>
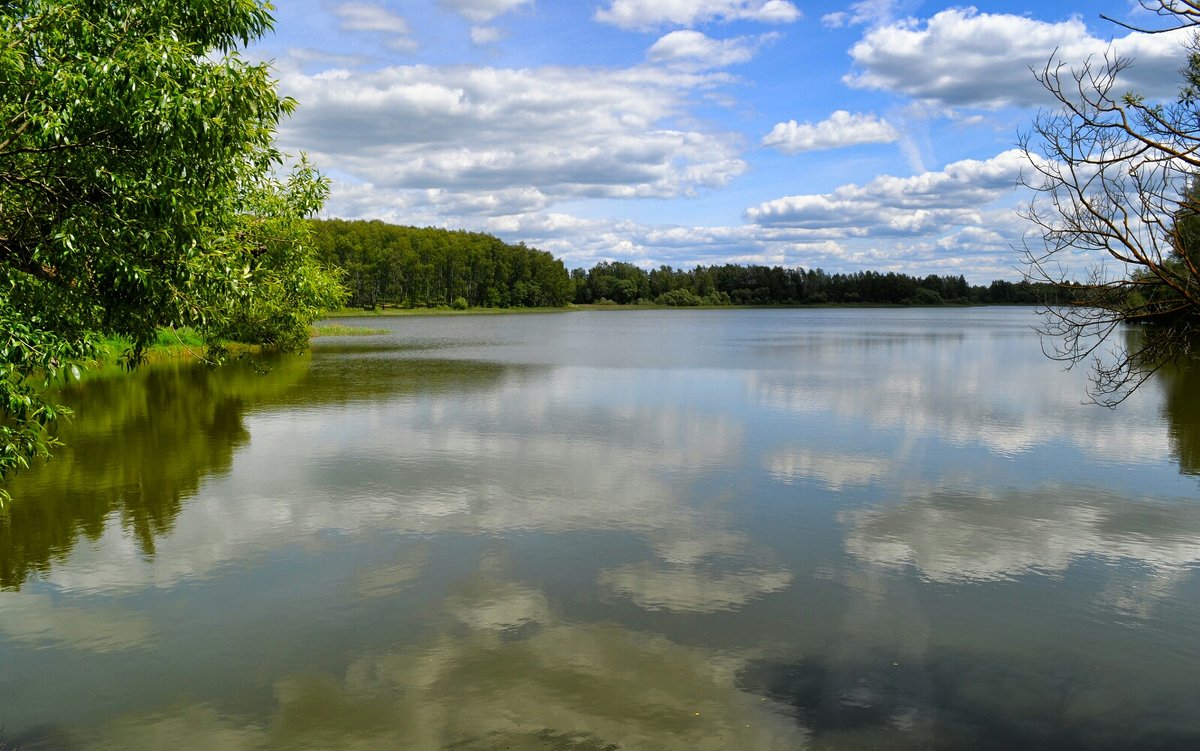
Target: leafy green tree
<point x="731" y="284"/>
<point x="412" y="267"/>
<point x="138" y="189"/>
<point x="678" y="298"/>
<point x="927" y="296"/>
<point x="1114" y="174"/>
<point x="615" y="281"/>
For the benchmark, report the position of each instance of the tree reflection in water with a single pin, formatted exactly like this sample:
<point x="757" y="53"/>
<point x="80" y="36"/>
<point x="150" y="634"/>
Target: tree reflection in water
<point x="1181" y="407"/>
<point x="581" y="557"/>
<point x="141" y="444"/>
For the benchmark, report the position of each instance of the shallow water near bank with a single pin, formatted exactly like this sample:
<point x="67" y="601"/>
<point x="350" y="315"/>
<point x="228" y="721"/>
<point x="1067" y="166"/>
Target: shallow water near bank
<point x="719" y="529"/>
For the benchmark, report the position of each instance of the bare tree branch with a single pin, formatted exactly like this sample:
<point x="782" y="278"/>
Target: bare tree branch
<point x="1116" y="177"/>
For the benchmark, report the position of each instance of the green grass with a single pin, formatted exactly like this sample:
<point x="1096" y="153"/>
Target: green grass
<point x="181" y="338"/>
<point x="186" y="344"/>
<point x="341" y="329"/>
<point x="444" y="310"/>
<point x="168" y="344"/>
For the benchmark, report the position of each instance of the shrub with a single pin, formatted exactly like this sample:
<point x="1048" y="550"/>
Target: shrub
<point x="678" y="298"/>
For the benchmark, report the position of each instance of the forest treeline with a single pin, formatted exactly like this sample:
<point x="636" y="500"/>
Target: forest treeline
<point x="732" y="284"/>
<point x="385" y="264"/>
<point x="389" y="265"/>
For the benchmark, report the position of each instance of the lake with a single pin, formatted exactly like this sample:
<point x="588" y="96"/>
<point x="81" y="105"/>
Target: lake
<point x="720" y="529"/>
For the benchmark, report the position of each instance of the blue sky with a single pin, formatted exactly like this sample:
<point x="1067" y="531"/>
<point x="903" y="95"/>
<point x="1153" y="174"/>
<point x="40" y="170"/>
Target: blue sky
<point x="878" y="134"/>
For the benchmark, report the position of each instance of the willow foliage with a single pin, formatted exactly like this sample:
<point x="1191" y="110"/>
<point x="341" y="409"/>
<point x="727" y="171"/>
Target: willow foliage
<point x="138" y="189"/>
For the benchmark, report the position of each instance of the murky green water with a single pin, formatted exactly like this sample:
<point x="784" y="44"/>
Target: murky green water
<point x="636" y="530"/>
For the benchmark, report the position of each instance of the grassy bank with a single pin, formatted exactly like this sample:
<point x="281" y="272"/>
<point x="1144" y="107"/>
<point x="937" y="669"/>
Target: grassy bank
<point x="341" y="329"/>
<point x="185" y="344"/>
<point x="170" y="344"/>
<point x="446" y="311"/>
<point x="439" y="311"/>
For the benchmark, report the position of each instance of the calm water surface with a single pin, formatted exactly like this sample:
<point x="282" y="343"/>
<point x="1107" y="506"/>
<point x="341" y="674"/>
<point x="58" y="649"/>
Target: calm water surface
<point x="784" y="529"/>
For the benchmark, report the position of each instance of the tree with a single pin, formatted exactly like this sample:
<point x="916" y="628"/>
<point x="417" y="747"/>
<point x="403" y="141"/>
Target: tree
<point x="138" y="189"/>
<point x="1114" y="174"/>
<point x="428" y="266"/>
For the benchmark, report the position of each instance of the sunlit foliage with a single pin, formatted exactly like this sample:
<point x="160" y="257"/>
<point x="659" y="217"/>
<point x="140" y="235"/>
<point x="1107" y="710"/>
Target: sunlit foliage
<point x="139" y="188"/>
<point x="386" y="264"/>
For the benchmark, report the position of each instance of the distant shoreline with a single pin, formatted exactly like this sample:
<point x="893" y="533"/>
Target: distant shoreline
<point x="447" y="311"/>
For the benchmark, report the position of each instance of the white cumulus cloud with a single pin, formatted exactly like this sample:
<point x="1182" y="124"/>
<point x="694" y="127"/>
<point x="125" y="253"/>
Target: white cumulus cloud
<point x="549" y="133"/>
<point x="863" y="12"/>
<point x="647" y="14"/>
<point x="841" y="129"/>
<point x="483" y="11"/>
<point x="930" y="202"/>
<point x="485" y="35"/>
<point x="694" y="49"/>
<point x="960" y="57"/>
<point x="376" y="19"/>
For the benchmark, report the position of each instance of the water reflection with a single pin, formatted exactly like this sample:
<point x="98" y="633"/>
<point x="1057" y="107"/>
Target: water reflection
<point x="835" y="470"/>
<point x="37" y="620"/>
<point x="143" y="443"/>
<point x="965" y="537"/>
<point x="1049" y="618"/>
<point x="1180" y="383"/>
<point x="683" y="589"/>
<point x="139" y="447"/>
<point x="502" y="672"/>
<point x="964" y="386"/>
<point x="391" y="577"/>
<point x="771" y="538"/>
<point x="961" y="700"/>
<point x="878" y="702"/>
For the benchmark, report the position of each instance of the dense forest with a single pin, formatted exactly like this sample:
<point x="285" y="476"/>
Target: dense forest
<point x="389" y="265"/>
<point x="385" y="264"/>
<point x="622" y="283"/>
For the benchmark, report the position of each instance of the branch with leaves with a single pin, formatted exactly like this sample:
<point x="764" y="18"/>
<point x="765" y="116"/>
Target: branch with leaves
<point x="1115" y="176"/>
<point x="137" y="150"/>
